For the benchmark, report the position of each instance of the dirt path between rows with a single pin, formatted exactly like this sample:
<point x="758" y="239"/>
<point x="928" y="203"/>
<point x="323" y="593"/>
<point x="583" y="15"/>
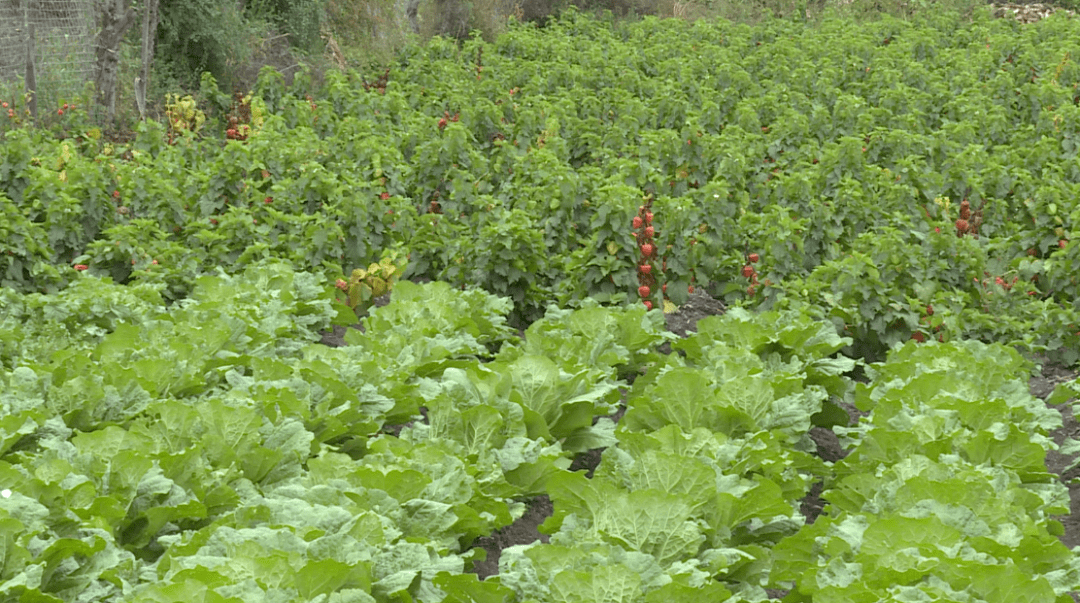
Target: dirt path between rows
<point x="1041" y="387"/>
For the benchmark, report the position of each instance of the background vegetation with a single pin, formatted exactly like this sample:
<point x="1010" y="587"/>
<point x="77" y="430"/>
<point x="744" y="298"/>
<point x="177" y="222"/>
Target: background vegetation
<point x="169" y="432"/>
<point x="234" y="40"/>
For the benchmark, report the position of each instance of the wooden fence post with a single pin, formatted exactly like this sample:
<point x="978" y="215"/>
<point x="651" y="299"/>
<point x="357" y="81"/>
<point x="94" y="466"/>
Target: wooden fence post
<point x="149" y="32"/>
<point x="31" y="75"/>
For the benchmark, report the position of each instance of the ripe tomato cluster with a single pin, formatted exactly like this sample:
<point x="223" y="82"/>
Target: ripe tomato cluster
<point x="969" y="223"/>
<point x="749" y="272"/>
<point x="919" y="336"/>
<point x="233" y="132"/>
<point x="644" y="233"/>
<point x="379" y="85"/>
<point x="446" y="118"/>
<point x="240" y="118"/>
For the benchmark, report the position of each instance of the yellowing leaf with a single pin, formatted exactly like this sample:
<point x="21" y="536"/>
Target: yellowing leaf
<point x="378" y="286"/>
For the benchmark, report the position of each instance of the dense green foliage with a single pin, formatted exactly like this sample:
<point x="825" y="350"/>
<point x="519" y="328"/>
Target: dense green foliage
<point x="212" y="451"/>
<point x="171" y="431"/>
<point x="517" y="167"/>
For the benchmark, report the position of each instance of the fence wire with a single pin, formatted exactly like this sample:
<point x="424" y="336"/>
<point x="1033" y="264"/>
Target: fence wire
<point x="62" y="43"/>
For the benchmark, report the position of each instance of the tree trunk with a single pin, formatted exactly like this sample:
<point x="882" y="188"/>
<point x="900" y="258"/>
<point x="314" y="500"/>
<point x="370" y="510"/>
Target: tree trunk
<point x="31" y="72"/>
<point x="149" y="34"/>
<point x="411" y="9"/>
<point x="116" y="17"/>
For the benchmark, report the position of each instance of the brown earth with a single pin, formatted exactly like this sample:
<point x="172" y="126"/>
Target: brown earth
<point x="1041" y="386"/>
<point x="522" y="531"/>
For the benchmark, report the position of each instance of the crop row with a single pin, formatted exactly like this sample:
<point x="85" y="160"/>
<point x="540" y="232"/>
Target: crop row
<point x="519" y="165"/>
<point x="945" y="493"/>
<point x="212" y="451"/>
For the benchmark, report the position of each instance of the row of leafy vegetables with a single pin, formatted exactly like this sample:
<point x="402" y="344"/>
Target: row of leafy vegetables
<point x="840" y="154"/>
<point x="212" y="451"/>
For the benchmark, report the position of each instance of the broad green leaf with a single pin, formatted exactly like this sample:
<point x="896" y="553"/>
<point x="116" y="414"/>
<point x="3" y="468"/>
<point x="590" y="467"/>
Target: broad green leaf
<point x="14" y="427"/>
<point x="323" y="577"/>
<point x="232" y="434"/>
<point x="762" y="501"/>
<point x="679" y="590"/>
<point x="403" y="485"/>
<point x="482" y="428"/>
<point x="686" y="476"/>
<point x="1007" y="447"/>
<point x="651" y="522"/>
<point x="605" y="584"/>
<point x="190" y="589"/>
<point x="467" y="588"/>
<point x="14" y="555"/>
<point x="1008" y="584"/>
<point x="565" y="402"/>
<point x="685" y="397"/>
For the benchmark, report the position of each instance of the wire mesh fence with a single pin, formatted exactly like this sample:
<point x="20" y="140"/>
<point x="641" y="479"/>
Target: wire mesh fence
<point x="46" y="44"/>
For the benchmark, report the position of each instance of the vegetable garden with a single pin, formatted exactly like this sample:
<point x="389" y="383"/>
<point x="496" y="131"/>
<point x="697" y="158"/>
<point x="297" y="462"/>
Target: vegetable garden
<point x="887" y="211"/>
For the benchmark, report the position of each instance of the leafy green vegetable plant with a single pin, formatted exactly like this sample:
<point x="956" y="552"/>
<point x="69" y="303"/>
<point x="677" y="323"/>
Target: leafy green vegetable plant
<point x="378" y="279"/>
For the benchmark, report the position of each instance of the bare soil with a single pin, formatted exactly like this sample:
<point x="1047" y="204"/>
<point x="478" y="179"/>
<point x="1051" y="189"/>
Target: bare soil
<point x="523" y="531"/>
<point x="1041" y="386"/>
